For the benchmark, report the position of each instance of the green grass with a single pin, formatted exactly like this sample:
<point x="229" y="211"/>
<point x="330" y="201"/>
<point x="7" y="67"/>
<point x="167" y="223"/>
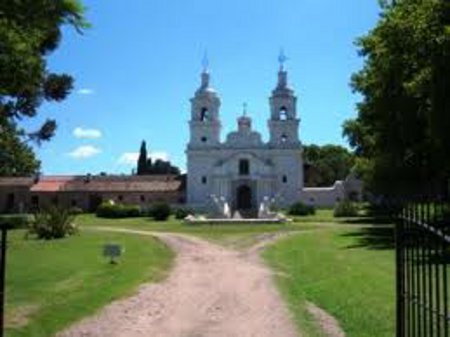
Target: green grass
<point x="341" y="271"/>
<point x="231" y="235"/>
<point x="51" y="284"/>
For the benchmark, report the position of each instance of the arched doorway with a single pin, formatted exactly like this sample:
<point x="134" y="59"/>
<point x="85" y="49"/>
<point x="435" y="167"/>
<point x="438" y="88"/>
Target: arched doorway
<point x="244" y="198"/>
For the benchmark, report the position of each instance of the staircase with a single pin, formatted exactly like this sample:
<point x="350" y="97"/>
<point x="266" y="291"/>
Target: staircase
<point x="248" y="213"/>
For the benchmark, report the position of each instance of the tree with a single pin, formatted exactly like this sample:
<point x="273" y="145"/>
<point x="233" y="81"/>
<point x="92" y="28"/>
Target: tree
<point x="29" y="31"/>
<point x="145" y="165"/>
<point x="401" y="131"/>
<point x="142" y="160"/>
<point x="326" y="164"/>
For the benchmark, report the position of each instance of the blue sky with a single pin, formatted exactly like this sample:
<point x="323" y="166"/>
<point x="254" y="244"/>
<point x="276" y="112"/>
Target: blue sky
<point x="139" y="65"/>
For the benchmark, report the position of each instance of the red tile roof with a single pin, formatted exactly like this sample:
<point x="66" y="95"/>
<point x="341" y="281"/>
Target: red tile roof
<point x="51" y="183"/>
<point x="155" y="183"/>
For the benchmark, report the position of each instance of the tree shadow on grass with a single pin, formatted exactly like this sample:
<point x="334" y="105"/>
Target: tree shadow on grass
<point x="368" y="220"/>
<point x="378" y="237"/>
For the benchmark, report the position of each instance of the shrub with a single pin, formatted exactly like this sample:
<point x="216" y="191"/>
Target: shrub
<point x="181" y="213"/>
<point x="301" y="209"/>
<point x="18" y="221"/>
<point x="115" y="211"/>
<point x="345" y="208"/>
<point x="161" y="211"/>
<point x="52" y="223"/>
<point x="76" y="210"/>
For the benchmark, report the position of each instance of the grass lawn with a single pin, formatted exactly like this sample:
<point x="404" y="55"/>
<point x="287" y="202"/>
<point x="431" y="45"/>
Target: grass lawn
<point x="347" y="272"/>
<point x="54" y="283"/>
<point x="232" y="235"/>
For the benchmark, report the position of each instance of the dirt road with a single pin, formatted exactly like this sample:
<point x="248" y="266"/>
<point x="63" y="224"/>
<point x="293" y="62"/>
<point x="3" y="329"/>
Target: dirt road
<point x="211" y="292"/>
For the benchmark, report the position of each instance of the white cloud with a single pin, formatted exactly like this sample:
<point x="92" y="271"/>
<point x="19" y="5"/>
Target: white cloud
<point x="159" y="155"/>
<point x="84" y="152"/>
<point x="79" y="132"/>
<point x="130" y="158"/>
<point x="85" y="91"/>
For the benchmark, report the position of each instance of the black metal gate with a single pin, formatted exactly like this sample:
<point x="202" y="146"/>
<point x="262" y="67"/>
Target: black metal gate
<point x="423" y="250"/>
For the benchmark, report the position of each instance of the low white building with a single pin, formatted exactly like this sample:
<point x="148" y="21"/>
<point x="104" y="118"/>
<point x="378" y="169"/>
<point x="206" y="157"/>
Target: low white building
<point x="244" y="170"/>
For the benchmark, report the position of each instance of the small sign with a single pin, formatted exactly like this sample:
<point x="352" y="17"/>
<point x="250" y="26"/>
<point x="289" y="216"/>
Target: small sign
<point x="112" y="251"/>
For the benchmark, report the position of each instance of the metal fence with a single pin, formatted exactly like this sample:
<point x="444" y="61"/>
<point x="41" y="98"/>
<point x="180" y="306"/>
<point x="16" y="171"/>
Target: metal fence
<point x="422" y="254"/>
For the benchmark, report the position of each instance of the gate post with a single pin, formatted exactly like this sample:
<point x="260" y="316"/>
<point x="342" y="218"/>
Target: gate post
<point x="4" y="230"/>
<point x="399" y="255"/>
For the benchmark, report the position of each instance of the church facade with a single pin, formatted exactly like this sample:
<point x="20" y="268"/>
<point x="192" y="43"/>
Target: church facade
<point x="244" y="170"/>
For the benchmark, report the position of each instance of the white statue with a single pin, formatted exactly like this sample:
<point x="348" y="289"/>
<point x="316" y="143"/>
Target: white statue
<point x="222" y="208"/>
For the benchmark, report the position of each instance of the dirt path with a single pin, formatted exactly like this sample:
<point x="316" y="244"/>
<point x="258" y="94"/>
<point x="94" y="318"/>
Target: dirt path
<point x="211" y="292"/>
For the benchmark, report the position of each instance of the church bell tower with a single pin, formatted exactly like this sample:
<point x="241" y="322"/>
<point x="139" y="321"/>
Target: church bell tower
<point x="283" y="123"/>
<point x="205" y="123"/>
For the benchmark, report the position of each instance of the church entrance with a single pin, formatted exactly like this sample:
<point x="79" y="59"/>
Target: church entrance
<point x="244" y="198"/>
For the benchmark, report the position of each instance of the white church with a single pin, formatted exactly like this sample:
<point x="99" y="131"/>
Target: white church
<point x="243" y="170"/>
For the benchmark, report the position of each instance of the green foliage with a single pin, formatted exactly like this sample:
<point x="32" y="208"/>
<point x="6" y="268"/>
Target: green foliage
<point x="181" y="213"/>
<point x="16" y="157"/>
<point x="115" y="211"/>
<point x="345" y="208"/>
<point x="52" y="223"/>
<point x="161" y="211"/>
<point x="29" y="31"/>
<point x="142" y="160"/>
<point x="326" y="164"/>
<point x="145" y="165"/>
<point x="403" y="119"/>
<point x="76" y="210"/>
<point x="301" y="209"/>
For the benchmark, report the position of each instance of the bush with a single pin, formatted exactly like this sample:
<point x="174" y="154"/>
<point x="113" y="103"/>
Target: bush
<point x="76" y="210"/>
<point x="115" y="211"/>
<point x="18" y="221"/>
<point x="301" y="209"/>
<point x="52" y="223"/>
<point x="181" y="213"/>
<point x="161" y="211"/>
<point x="345" y="208"/>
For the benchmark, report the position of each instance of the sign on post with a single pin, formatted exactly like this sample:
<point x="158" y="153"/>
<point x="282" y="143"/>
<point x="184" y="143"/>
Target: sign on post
<point x="112" y="251"/>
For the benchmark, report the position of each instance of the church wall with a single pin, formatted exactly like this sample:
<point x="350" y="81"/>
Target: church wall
<point x="199" y="167"/>
<point x="289" y="164"/>
<point x="323" y="196"/>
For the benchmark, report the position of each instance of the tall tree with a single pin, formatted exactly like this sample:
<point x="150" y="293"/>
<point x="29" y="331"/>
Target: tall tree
<point x="142" y="160"/>
<point x="29" y="31"/>
<point x="401" y="131"/>
<point x="146" y="166"/>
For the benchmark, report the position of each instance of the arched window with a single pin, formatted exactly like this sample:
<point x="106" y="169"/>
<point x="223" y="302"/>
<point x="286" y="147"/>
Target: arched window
<point x="244" y="167"/>
<point x="284" y="138"/>
<point x="283" y="113"/>
<point x="284" y="179"/>
<point x="204" y="114"/>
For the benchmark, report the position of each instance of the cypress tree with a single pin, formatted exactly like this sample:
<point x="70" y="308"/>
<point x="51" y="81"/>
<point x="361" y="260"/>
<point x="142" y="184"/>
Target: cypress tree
<point x="142" y="160"/>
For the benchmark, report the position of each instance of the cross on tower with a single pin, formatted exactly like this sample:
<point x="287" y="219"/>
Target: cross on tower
<point x="282" y="58"/>
<point x="205" y="62"/>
